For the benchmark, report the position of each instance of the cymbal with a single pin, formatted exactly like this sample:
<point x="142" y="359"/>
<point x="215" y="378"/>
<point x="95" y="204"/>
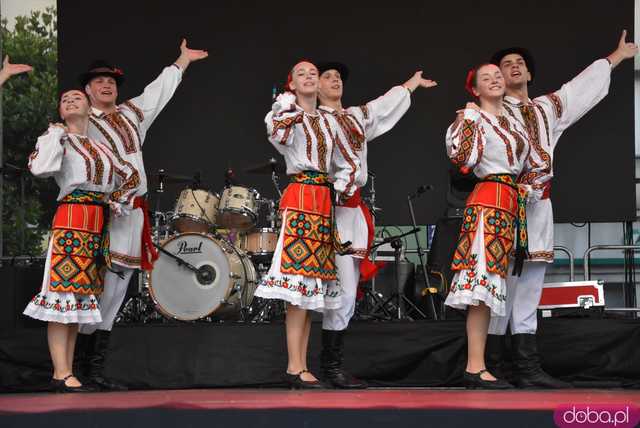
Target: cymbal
<point x="267" y="168"/>
<point x="169" y="177"/>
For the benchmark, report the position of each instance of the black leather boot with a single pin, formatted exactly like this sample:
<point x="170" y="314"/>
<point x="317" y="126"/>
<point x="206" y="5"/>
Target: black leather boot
<point x="495" y="354"/>
<point x="84" y="348"/>
<point x="96" y="363"/>
<point x="527" y="369"/>
<point x="331" y="362"/>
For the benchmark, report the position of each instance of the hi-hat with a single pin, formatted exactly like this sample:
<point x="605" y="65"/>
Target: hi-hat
<point x="267" y="167"/>
<point x="169" y="177"/>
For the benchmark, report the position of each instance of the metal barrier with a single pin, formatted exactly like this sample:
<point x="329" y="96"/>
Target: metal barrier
<point x="567" y="251"/>
<point x="587" y="270"/>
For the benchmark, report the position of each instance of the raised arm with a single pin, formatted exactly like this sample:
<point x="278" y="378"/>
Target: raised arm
<point x="464" y="139"/>
<point x="157" y="94"/>
<point x="382" y="114"/>
<point x="46" y="159"/>
<point x="587" y="89"/>
<point x="9" y="70"/>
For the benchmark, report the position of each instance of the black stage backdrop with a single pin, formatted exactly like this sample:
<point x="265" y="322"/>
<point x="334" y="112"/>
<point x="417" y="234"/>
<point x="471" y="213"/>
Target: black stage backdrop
<point x="215" y="120"/>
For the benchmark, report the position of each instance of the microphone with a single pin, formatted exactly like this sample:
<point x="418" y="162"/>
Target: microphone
<point x="371" y="174"/>
<point x="420" y="190"/>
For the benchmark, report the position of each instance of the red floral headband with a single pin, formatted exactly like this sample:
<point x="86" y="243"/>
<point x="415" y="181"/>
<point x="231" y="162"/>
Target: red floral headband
<point x="468" y="85"/>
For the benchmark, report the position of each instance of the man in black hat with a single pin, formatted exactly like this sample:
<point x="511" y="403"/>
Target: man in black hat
<point x="358" y="125"/>
<point x="124" y="127"/>
<point x="546" y="118"/>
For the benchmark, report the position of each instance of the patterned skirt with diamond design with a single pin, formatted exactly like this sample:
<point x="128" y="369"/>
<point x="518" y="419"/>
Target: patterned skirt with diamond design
<point x="481" y="258"/>
<point x="62" y="307"/>
<point x="303" y="270"/>
<point x="72" y="276"/>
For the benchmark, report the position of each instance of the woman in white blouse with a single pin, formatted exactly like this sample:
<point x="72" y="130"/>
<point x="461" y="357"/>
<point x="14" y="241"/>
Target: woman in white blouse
<point x="303" y="270"/>
<point x="495" y="147"/>
<point x="93" y="182"/>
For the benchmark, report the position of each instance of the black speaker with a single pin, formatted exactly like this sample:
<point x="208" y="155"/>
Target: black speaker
<point x="19" y="285"/>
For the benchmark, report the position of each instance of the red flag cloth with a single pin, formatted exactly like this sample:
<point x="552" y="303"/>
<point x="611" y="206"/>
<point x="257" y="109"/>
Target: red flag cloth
<point x="149" y="254"/>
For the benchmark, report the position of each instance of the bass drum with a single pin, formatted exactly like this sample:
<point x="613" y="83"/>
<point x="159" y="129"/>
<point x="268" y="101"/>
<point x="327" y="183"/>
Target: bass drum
<point x="223" y="283"/>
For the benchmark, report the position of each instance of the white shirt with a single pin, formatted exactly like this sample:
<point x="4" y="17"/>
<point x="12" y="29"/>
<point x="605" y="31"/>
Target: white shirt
<point x="125" y="130"/>
<point x="308" y="142"/>
<point x="78" y="162"/>
<point x="487" y="144"/>
<point x="548" y="116"/>
<point x="359" y="125"/>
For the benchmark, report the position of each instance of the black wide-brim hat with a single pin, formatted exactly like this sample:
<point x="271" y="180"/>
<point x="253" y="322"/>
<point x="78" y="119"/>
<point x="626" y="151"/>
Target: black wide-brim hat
<point x="101" y="68"/>
<point x="524" y="53"/>
<point x="334" y="65"/>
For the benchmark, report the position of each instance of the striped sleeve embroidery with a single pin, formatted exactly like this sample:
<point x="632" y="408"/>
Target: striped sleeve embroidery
<point x="285" y="124"/>
<point x="466" y="135"/>
<point x="138" y="112"/>
<point x="556" y="102"/>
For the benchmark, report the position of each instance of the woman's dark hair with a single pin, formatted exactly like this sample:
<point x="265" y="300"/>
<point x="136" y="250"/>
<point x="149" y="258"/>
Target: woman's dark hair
<point x="64" y="91"/>
<point x="73" y="88"/>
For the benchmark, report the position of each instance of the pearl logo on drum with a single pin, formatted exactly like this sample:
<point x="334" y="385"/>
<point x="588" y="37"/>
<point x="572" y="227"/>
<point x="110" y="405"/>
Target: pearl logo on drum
<point x="184" y="248"/>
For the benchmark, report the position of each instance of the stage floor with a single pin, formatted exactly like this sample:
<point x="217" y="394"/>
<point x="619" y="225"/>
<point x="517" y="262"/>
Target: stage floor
<point x="262" y="399"/>
<point x="266" y="408"/>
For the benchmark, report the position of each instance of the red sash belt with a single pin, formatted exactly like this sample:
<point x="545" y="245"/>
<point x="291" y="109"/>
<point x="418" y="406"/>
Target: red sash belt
<point x="148" y="253"/>
<point x="368" y="269"/>
<point x="546" y="191"/>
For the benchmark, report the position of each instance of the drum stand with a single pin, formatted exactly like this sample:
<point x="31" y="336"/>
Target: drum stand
<point x="140" y="307"/>
<point x="372" y="299"/>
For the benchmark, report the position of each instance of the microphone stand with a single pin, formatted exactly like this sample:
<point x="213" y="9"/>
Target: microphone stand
<point x="432" y="306"/>
<point x="398" y="299"/>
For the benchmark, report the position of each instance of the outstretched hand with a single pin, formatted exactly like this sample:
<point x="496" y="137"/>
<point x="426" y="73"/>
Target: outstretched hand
<point x="9" y="69"/>
<point x="187" y="55"/>
<point x="62" y="126"/>
<point x="469" y="106"/>
<point x="417" y="81"/>
<point x="625" y="50"/>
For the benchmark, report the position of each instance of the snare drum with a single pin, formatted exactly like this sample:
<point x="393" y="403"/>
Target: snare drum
<point x="262" y="242"/>
<point x="238" y="208"/>
<point x="195" y="211"/>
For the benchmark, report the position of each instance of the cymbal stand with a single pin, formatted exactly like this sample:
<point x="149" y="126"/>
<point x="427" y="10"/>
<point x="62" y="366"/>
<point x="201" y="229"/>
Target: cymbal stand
<point x="276" y="182"/>
<point x="272" y="217"/>
<point x="372" y="194"/>
<point x="157" y="213"/>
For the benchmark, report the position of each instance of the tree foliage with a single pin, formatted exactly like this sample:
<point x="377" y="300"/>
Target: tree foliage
<point x="29" y="104"/>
